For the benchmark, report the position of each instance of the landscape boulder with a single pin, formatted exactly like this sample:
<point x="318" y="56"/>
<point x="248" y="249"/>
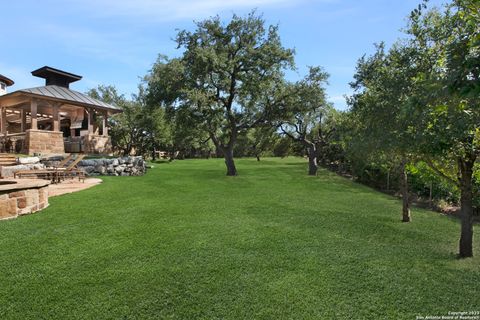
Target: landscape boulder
<point x="122" y="166"/>
<point x="28" y="160"/>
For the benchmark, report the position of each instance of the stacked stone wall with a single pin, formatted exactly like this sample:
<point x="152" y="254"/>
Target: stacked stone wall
<point x="23" y="201"/>
<point x="125" y="166"/>
<point x="44" y="142"/>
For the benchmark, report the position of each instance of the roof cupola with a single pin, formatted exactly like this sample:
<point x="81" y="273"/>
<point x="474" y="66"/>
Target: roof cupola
<point x="57" y="77"/>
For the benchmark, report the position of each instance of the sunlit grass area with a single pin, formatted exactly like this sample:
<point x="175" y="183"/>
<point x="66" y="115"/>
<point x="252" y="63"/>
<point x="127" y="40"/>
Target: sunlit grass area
<point x="187" y="242"/>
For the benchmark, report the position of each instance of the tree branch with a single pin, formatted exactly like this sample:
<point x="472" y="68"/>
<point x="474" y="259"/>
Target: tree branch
<point x="285" y="132"/>
<point x="442" y="174"/>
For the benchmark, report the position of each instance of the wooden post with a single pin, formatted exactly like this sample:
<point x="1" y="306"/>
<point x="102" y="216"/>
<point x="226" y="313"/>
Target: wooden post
<point x="33" y="114"/>
<point x="90" y="121"/>
<point x="105" y="124"/>
<point x="4" y="120"/>
<point x="23" y="120"/>
<point x="56" y="120"/>
<point x="96" y="128"/>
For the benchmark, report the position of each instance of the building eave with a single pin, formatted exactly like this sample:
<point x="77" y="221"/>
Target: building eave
<point x="96" y="104"/>
<point x="9" y="82"/>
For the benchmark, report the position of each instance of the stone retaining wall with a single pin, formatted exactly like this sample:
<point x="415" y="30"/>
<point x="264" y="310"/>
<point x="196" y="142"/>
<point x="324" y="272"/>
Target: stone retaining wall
<point x="125" y="166"/>
<point x="23" y="197"/>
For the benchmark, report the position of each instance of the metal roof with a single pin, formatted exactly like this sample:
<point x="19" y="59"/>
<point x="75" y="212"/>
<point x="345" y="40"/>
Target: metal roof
<point x="67" y="95"/>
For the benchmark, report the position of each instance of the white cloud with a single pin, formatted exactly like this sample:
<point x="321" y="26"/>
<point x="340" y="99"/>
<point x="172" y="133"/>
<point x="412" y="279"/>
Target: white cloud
<point x="168" y="10"/>
<point x="124" y="43"/>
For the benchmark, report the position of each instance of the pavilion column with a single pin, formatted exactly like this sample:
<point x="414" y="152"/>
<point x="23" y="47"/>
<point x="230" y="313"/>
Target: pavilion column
<point x="33" y="114"/>
<point x="91" y="120"/>
<point x="23" y="120"/>
<point x="4" y="120"/>
<point x="56" y="118"/>
<point x="104" y="124"/>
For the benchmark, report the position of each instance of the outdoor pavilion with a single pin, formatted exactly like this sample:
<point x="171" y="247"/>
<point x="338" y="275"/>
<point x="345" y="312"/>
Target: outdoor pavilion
<point x="54" y="119"/>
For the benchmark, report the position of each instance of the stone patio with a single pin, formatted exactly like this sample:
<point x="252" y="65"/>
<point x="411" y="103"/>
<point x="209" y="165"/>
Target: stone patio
<point x="70" y="186"/>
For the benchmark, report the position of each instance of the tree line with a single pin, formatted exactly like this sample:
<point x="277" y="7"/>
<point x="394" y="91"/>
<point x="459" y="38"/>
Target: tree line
<point x="412" y="123"/>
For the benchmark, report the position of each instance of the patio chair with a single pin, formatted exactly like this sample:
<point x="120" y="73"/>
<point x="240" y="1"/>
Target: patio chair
<point x="47" y="174"/>
<point x="71" y="171"/>
<point x="57" y="174"/>
<point x="64" y="162"/>
<point x="65" y="165"/>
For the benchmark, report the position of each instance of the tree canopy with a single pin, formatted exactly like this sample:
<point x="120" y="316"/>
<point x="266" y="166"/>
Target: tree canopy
<point x="222" y="77"/>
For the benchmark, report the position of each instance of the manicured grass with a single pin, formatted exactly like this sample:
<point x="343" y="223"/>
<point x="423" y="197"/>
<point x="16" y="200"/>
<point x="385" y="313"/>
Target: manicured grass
<point x="186" y="242"/>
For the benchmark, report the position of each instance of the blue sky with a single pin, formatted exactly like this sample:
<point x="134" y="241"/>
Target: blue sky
<point x="117" y="41"/>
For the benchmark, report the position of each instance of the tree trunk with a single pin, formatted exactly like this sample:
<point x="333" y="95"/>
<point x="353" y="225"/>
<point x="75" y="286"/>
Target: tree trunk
<point x="229" y="162"/>
<point x="312" y="161"/>
<point x="466" y="211"/>
<point x="173" y="155"/>
<point x="430" y="195"/>
<point x="256" y="152"/>
<point x="405" y="203"/>
<point x="154" y="154"/>
<point x="388" y="180"/>
<point x="218" y="151"/>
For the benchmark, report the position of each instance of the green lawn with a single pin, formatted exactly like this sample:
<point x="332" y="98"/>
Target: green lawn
<point x="187" y="242"/>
